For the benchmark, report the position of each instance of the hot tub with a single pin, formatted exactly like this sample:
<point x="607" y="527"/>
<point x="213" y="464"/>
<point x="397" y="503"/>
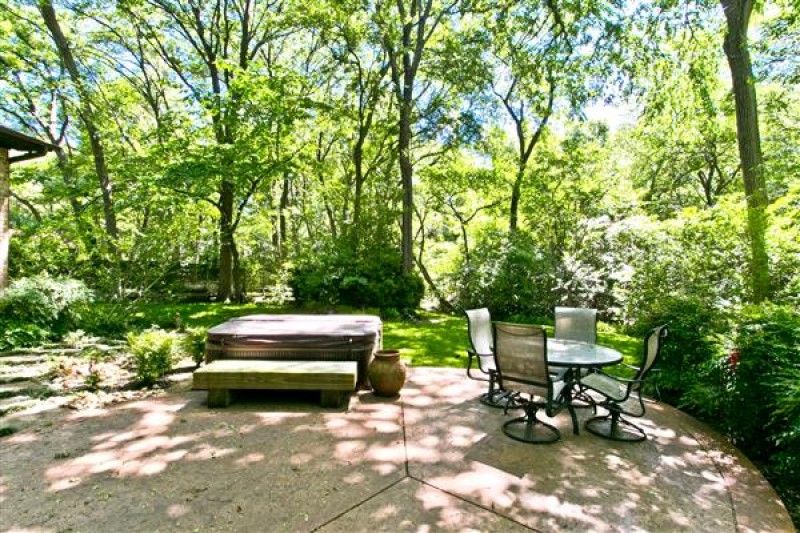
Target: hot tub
<point x="298" y="337"/>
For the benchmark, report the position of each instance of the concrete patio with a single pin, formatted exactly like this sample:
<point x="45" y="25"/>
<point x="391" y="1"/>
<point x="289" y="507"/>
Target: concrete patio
<point x="435" y="459"/>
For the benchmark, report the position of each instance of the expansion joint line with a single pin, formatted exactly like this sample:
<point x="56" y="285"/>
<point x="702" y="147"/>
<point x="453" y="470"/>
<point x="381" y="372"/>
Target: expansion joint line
<point x="384" y="489"/>
<point x="722" y="475"/>
<point x="456" y="496"/>
<point x="359" y="504"/>
<point x="405" y="440"/>
<point x="470" y="502"/>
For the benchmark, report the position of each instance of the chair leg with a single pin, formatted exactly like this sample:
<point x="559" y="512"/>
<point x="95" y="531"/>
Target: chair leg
<point x="530" y="429"/>
<point x="574" y="416"/>
<point x="614" y="426"/>
<point x="494" y="397"/>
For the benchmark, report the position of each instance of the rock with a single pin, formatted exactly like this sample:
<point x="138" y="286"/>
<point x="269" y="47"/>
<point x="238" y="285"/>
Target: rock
<point x="8" y="390"/>
<point x="27" y="359"/>
<point x="11" y="374"/>
<point x="15" y="403"/>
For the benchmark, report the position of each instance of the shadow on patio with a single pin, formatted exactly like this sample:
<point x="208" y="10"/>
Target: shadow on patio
<point x="435" y="460"/>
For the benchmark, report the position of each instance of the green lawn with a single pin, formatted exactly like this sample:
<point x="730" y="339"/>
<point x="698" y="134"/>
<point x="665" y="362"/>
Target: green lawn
<point x="433" y="339"/>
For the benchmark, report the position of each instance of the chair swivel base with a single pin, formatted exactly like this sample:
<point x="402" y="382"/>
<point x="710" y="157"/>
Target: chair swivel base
<point x="496" y="398"/>
<point x="613" y="427"/>
<point x="531" y="430"/>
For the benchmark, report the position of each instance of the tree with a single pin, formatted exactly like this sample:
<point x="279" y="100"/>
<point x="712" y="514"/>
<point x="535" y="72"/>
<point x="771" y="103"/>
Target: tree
<point x="209" y="48"/>
<point x="684" y="143"/>
<point x="737" y="16"/>
<point x="367" y="65"/>
<point x="407" y="30"/>
<point x="541" y="52"/>
<point x="87" y="113"/>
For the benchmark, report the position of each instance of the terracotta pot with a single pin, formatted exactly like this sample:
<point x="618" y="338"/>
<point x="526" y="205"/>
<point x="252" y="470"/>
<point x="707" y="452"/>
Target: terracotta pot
<point x="387" y="373"/>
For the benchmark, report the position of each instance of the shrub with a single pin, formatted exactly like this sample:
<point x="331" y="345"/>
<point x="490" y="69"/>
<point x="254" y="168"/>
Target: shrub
<point x="512" y="277"/>
<point x="786" y="421"/>
<point x="764" y="408"/>
<point x="16" y="334"/>
<point x="153" y="353"/>
<point x="105" y="320"/>
<point x="691" y="358"/>
<point x="39" y="308"/>
<point x="364" y="280"/>
<point x="193" y="344"/>
<point x="94" y="377"/>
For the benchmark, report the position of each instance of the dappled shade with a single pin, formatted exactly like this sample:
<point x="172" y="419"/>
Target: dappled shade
<point x="433" y="459"/>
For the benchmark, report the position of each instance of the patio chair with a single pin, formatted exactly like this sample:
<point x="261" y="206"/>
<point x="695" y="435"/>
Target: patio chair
<point x="576" y="324"/>
<point x="521" y="360"/>
<point x="616" y="391"/>
<point x="479" y="326"/>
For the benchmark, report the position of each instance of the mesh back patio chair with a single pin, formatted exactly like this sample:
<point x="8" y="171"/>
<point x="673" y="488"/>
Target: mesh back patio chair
<point x="481" y="354"/>
<point x="575" y="324"/>
<point x="521" y="360"/>
<point x="616" y="391"/>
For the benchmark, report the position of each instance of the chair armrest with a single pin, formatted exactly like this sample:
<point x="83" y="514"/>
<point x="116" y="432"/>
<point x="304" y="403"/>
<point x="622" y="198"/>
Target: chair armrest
<point x="623" y="380"/>
<point x="472" y="355"/>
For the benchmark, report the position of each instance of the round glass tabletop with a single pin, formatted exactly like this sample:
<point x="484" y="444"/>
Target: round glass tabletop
<point x="562" y="352"/>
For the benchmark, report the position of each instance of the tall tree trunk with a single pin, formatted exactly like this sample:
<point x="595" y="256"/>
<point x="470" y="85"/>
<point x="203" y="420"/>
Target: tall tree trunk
<point x="239" y="288"/>
<point x="358" y="164"/>
<point x="516" y="194"/>
<point x="5" y="212"/>
<point x="87" y="117"/>
<point x="407" y="177"/>
<point x="737" y="14"/>
<point x="226" y="289"/>
<point x="68" y="178"/>
<point x="282" y="207"/>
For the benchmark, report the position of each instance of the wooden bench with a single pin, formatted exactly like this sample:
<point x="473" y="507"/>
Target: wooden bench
<point x="334" y="379"/>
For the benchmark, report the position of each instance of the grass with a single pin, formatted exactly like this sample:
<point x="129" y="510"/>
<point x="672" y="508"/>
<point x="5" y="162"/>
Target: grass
<point x="432" y="339"/>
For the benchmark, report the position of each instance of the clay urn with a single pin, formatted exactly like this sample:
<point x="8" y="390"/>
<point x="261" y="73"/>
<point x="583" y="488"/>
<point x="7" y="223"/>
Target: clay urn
<point x="387" y="373"/>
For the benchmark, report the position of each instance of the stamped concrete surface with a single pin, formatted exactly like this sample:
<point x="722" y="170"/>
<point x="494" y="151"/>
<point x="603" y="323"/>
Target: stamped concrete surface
<point x="433" y="460"/>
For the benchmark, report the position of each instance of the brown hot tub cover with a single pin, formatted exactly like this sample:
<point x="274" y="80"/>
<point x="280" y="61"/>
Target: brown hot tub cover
<point x="298" y="337"/>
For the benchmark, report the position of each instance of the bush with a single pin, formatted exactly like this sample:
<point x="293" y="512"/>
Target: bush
<point x="786" y="421"/>
<point x="513" y="277"/>
<point x="17" y="335"/>
<point x="764" y="403"/>
<point x="367" y="280"/>
<point x="193" y="344"/>
<point x="106" y="320"/>
<point x="153" y="353"/>
<point x="40" y="308"/>
<point x="691" y="361"/>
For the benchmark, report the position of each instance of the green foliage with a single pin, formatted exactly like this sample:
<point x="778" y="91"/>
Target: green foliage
<point x="153" y="352"/>
<point x="786" y="417"/>
<point x="39" y="308"/>
<point x="764" y="408"/>
<point x="371" y="279"/>
<point x="106" y="320"/>
<point x="193" y="343"/>
<point x="19" y="335"/>
<point x="692" y="348"/>
<point x="5" y="431"/>
<point x="93" y="378"/>
<point x="513" y="277"/>
<point x="701" y="253"/>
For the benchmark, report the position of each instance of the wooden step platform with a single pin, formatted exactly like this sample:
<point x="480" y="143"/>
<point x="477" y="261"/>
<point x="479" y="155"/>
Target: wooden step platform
<point x="334" y="379"/>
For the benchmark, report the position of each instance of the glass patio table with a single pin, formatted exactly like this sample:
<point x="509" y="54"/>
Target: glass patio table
<point x="575" y="356"/>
